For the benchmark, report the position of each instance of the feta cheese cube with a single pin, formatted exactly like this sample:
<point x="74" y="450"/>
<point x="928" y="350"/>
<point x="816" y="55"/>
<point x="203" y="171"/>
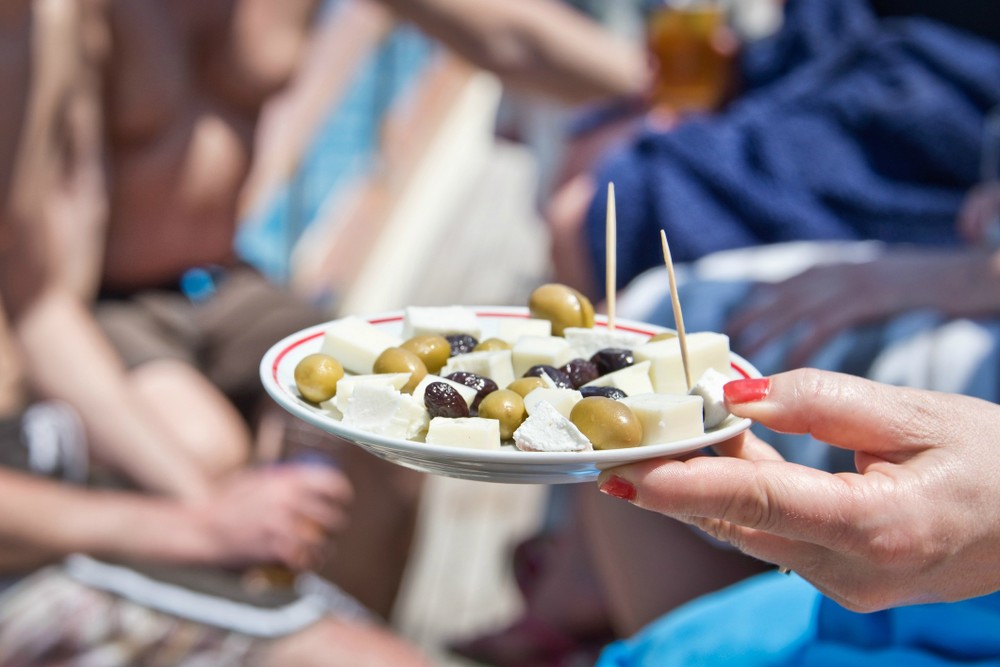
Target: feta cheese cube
<point x="667" y="417"/>
<point x="382" y="410"/>
<point x="709" y="387"/>
<point x="549" y="431"/>
<point x="531" y="351"/>
<point x="346" y="385"/>
<point x="440" y="321"/>
<point x="497" y="365"/>
<point x="585" y="342"/>
<point x="562" y="400"/>
<point x="356" y="343"/>
<point x="632" y="379"/>
<point x="512" y="328"/>
<point x="706" y="350"/>
<point x="470" y="432"/>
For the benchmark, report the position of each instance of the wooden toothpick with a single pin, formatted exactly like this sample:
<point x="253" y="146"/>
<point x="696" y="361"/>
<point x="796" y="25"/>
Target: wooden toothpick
<point x="676" y="302"/>
<point x="611" y="254"/>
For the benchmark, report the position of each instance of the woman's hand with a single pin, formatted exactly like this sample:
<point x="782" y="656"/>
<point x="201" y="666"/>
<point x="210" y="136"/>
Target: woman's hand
<point x="919" y="522"/>
<point x="827" y="299"/>
<point x="980" y="213"/>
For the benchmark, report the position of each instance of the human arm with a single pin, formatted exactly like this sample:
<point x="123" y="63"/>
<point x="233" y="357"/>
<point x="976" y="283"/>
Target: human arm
<point x="827" y="299"/>
<point x="917" y="523"/>
<point x="542" y="46"/>
<point x="276" y="515"/>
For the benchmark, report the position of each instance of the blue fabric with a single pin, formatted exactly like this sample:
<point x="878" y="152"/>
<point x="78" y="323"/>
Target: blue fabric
<point x="774" y="620"/>
<point x="344" y="148"/>
<point x="851" y="128"/>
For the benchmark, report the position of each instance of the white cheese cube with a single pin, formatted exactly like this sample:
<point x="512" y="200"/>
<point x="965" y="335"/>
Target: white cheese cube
<point x="440" y="321"/>
<point x="512" y="328"/>
<point x="531" y="351"/>
<point x="346" y="385"/>
<point x="549" y="431"/>
<point x="632" y="379"/>
<point x="585" y="342"/>
<point x="466" y="392"/>
<point x="356" y="343"/>
<point x="470" y="432"/>
<point x="382" y="410"/>
<point x="562" y="400"/>
<point x="667" y="417"/>
<point x="706" y="350"/>
<point x="497" y="365"/>
<point x="709" y="387"/>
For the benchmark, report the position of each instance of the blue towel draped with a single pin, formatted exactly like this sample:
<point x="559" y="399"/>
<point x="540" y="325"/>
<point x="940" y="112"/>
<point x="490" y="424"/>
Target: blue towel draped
<point x="851" y="127"/>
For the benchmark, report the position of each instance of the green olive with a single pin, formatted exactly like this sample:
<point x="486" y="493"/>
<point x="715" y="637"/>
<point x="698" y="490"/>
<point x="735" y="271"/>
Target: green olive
<point x="316" y="377"/>
<point x="401" y="360"/>
<point x="432" y="350"/>
<point x="665" y="335"/>
<point x="607" y="423"/>
<point x="524" y="386"/>
<point x="491" y="345"/>
<point x="561" y="305"/>
<point x="506" y="406"/>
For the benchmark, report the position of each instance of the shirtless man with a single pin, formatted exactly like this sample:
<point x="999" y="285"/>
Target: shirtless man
<point x="160" y="108"/>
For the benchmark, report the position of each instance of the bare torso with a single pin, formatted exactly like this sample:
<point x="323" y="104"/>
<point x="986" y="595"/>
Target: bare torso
<point x="184" y="86"/>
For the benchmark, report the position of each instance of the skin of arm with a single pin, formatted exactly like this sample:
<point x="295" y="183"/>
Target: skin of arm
<point x="917" y="522"/>
<point x="835" y="297"/>
<point x="280" y="515"/>
<point x="45" y="284"/>
<point x="541" y="46"/>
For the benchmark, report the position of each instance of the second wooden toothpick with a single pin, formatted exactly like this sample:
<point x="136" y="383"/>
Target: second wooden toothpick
<point x="676" y="302"/>
<point x="611" y="254"/>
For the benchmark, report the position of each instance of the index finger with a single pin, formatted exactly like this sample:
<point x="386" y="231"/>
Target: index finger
<point x="843" y="410"/>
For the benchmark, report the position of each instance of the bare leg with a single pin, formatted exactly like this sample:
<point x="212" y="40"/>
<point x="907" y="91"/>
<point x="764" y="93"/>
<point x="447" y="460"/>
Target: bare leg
<point x="331" y="643"/>
<point x="649" y="564"/>
<point x="201" y="419"/>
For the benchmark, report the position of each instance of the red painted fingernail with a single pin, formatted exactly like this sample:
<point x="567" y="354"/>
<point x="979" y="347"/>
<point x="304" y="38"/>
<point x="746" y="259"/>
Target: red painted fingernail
<point x="747" y="391"/>
<point x="619" y="488"/>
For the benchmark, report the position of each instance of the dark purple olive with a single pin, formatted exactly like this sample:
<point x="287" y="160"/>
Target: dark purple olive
<point x="443" y="400"/>
<point x="612" y="359"/>
<point x="461" y="343"/>
<point x="482" y="385"/>
<point x="561" y="378"/>
<point x="606" y="392"/>
<point x="580" y="371"/>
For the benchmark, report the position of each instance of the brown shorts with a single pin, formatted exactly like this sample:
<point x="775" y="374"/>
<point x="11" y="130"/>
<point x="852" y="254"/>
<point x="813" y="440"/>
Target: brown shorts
<point x="223" y="335"/>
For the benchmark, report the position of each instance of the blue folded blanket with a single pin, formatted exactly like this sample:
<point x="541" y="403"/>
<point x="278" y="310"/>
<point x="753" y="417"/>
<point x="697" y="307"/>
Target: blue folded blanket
<point x="851" y="127"/>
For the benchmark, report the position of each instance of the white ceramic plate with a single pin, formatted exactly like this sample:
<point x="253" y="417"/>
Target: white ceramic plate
<point x="507" y="465"/>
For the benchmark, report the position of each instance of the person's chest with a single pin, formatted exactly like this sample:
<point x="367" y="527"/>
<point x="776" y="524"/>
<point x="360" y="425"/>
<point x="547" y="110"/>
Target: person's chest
<point x="176" y="63"/>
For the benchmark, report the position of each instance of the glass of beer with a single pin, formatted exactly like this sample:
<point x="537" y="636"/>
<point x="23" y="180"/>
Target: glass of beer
<point x="693" y="52"/>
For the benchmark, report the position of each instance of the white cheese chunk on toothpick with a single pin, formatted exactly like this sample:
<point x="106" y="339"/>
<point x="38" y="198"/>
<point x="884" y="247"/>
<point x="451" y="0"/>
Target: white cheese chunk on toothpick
<point x="356" y="343"/>
<point x="706" y="349"/>
<point x="709" y="387"/>
<point x="440" y="321"/>
<point x="549" y="431"/>
<point x="382" y="410"/>
<point x="468" y="432"/>
<point x="632" y="379"/>
<point x="667" y="417"/>
<point x="497" y="365"/>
